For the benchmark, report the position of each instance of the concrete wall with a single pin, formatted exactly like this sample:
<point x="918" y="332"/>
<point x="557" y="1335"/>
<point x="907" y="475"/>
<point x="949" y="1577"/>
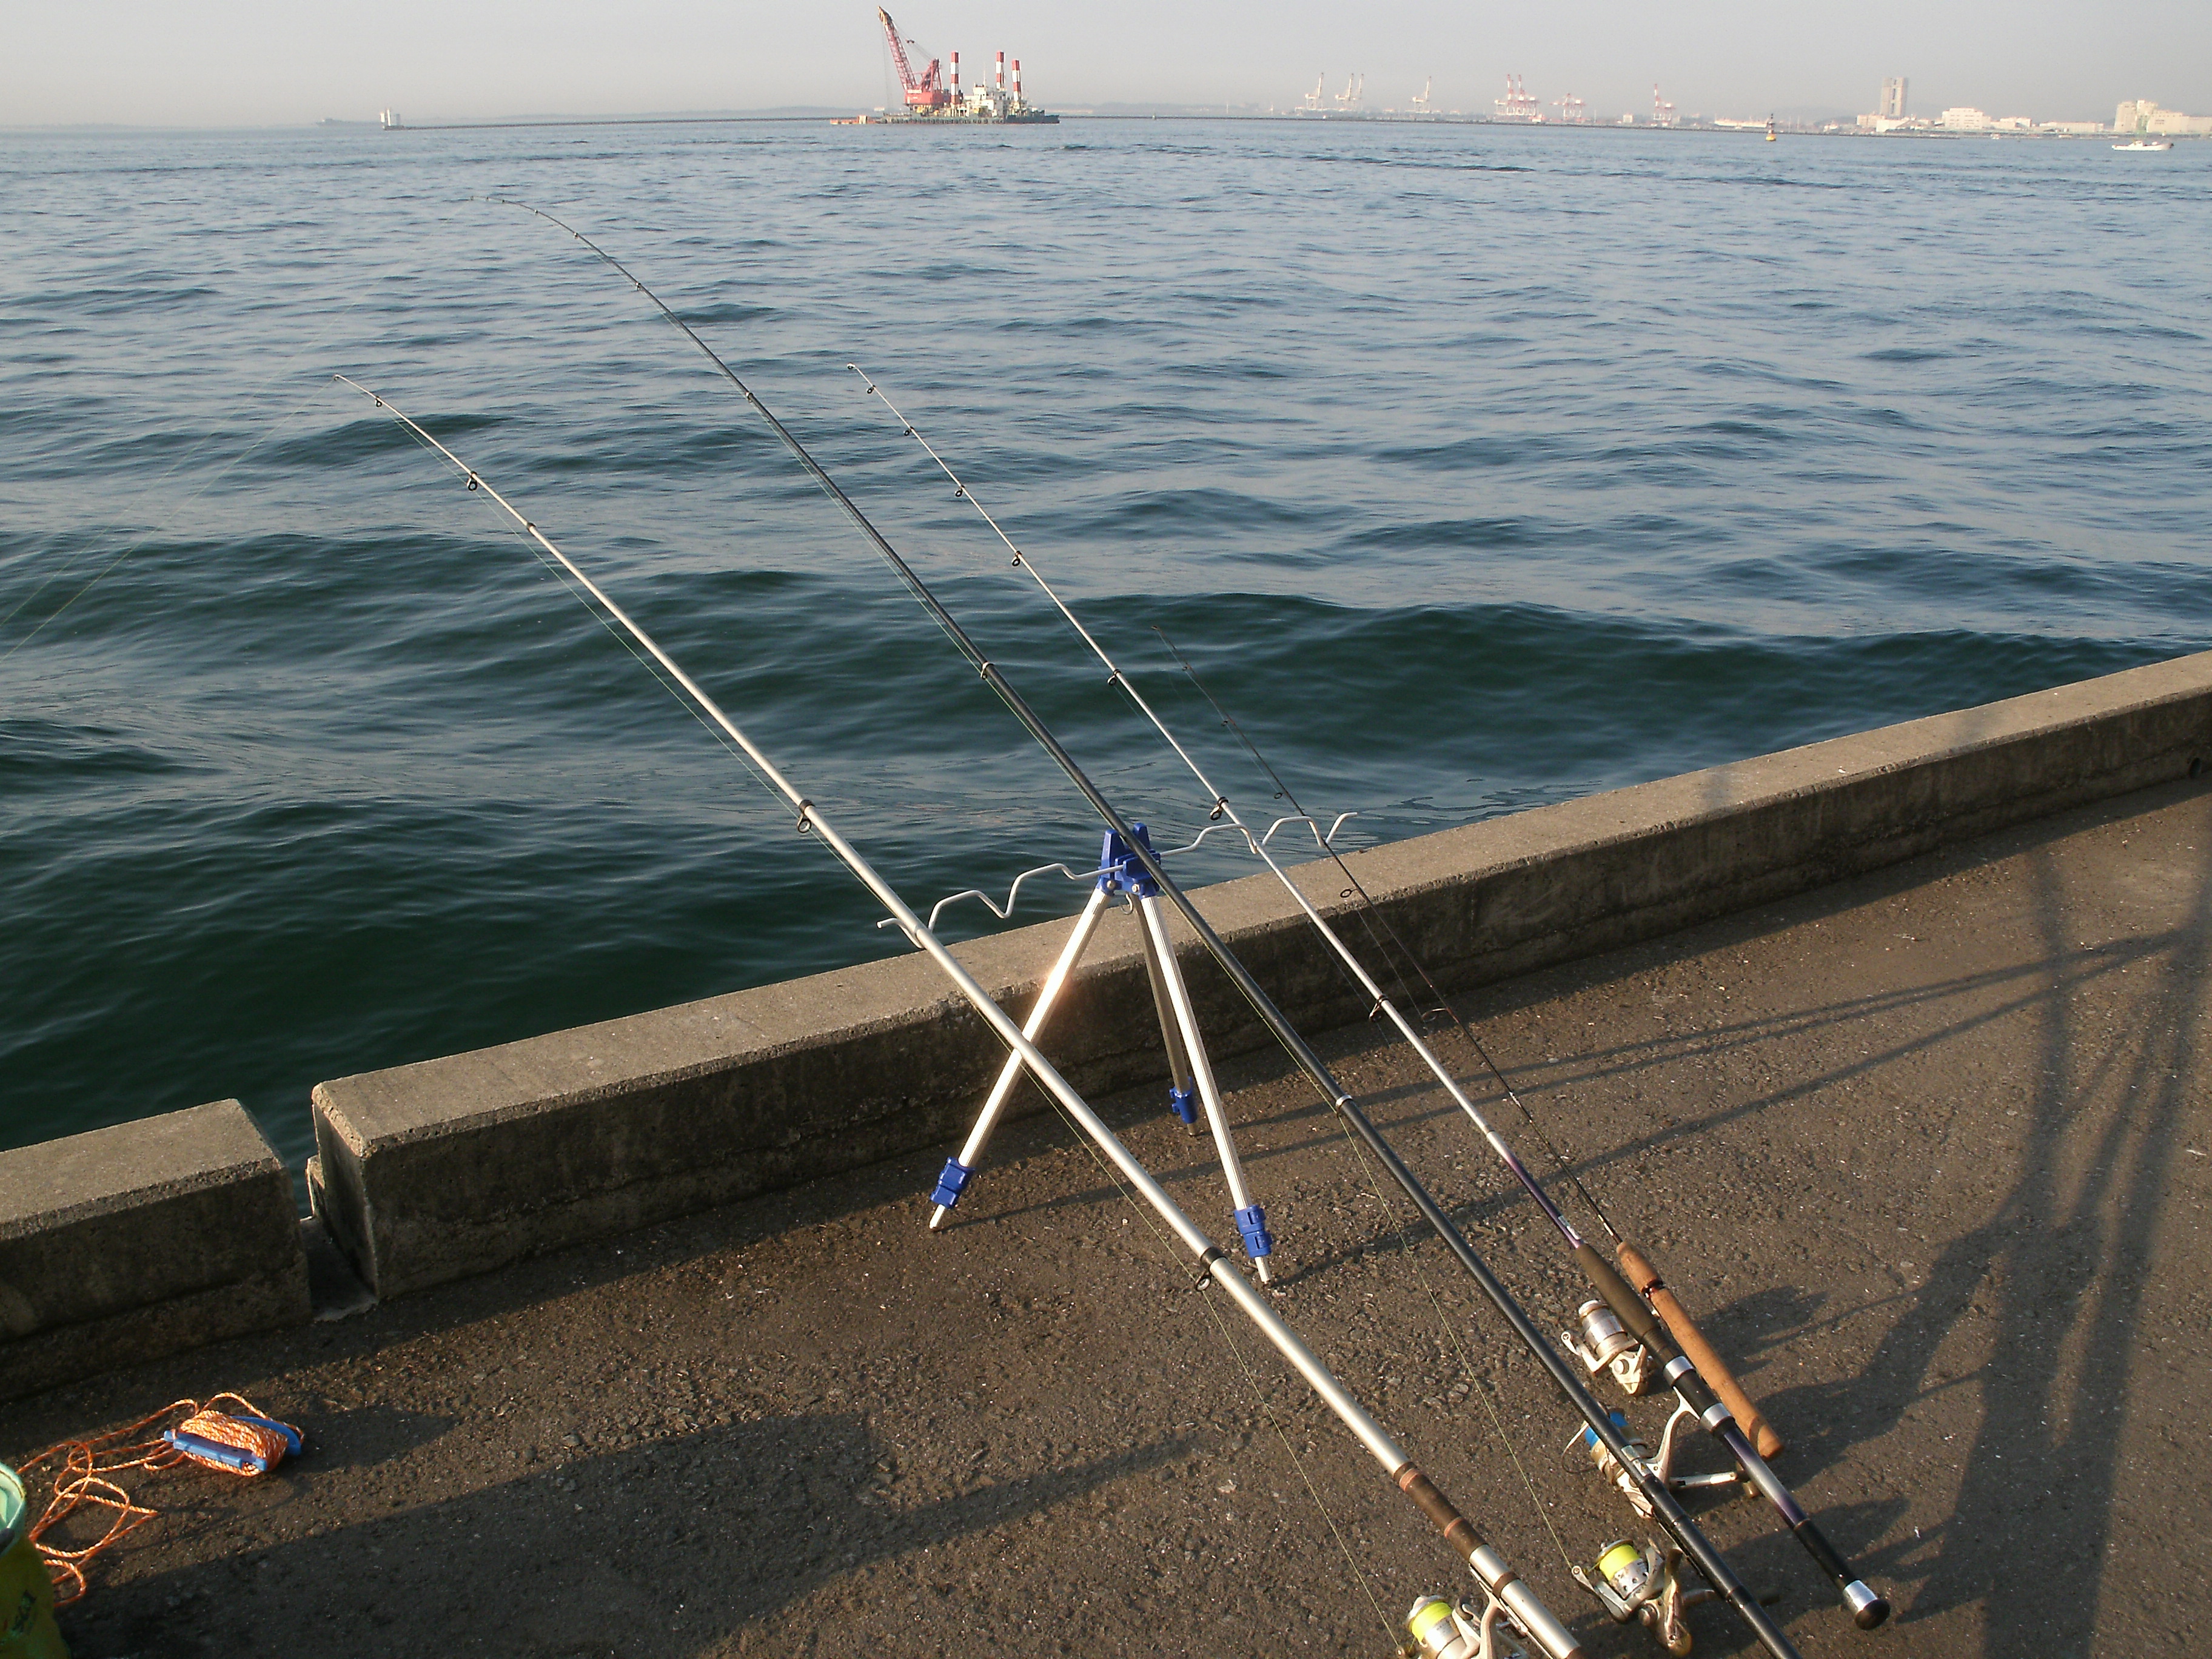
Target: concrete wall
<point x="127" y="1243"/>
<point x="455" y="1165"/>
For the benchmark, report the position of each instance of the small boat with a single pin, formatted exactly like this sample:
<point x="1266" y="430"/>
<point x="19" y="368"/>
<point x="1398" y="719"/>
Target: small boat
<point x="2146" y="144"/>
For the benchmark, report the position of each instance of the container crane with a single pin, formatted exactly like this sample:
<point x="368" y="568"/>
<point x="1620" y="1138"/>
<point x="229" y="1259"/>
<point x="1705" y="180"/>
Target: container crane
<point x="1518" y="104"/>
<point x="926" y="91"/>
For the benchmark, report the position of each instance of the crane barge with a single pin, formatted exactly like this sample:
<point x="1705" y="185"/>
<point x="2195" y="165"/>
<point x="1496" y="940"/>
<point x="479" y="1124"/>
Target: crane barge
<point x="935" y="97"/>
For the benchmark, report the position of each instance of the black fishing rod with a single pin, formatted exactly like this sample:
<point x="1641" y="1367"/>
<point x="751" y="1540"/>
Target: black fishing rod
<point x="1504" y="1588"/>
<point x="1632" y="1260"/>
<point x="1683" y="1375"/>
<point x="1868" y="1608"/>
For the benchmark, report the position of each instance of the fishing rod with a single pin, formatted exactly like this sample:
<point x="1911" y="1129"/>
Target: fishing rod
<point x="1634" y="1262"/>
<point x="1868" y="1609"/>
<point x="1704" y="1386"/>
<point x="1504" y="1588"/>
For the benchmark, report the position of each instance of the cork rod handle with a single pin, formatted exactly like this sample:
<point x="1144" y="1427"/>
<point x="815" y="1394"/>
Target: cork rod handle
<point x="1640" y="1273"/>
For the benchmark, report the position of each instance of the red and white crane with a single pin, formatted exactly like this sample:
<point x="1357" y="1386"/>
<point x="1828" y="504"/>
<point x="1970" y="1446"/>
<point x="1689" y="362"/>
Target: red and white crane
<point x="927" y="90"/>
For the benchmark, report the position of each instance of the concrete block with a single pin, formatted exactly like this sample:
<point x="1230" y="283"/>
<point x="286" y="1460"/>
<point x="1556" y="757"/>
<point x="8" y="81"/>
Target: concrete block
<point x="455" y="1165"/>
<point x="126" y="1243"/>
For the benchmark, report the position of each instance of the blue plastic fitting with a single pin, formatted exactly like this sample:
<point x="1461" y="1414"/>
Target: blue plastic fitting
<point x="1590" y="1436"/>
<point x="231" y="1457"/>
<point x="1183" y="1104"/>
<point x="951" y="1183"/>
<point x="1253" y="1224"/>
<point x="292" y="1442"/>
<point x="1119" y="873"/>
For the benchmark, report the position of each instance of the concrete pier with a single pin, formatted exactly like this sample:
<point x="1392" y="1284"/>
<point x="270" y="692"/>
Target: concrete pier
<point x="430" y="1172"/>
<point x="1928" y="1149"/>
<point x="126" y="1243"/>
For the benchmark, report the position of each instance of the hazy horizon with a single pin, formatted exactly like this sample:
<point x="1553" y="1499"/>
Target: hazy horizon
<point x="254" y="63"/>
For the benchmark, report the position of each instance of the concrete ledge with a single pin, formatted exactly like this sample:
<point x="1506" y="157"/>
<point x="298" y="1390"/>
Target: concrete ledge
<point x="126" y="1243"/>
<point x="453" y="1166"/>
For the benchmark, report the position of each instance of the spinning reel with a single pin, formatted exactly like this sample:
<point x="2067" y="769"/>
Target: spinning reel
<point x="1438" y="1630"/>
<point x="1606" y="1346"/>
<point x="1644" y="1586"/>
<point x="1609" y="1467"/>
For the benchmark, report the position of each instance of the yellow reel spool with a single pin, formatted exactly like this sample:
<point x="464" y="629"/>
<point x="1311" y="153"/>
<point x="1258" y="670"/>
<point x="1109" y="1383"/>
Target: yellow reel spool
<point x="1616" y="1559"/>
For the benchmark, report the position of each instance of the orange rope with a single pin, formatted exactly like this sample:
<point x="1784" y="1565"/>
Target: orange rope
<point x="84" y="1471"/>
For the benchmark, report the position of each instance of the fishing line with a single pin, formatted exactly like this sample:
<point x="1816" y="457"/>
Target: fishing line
<point x="1476" y="1381"/>
<point x="569" y="578"/>
<point x="569" y="586"/>
<point x="1196" y="1283"/>
<point x="1867" y="1608"/>
<point x="1505" y="1588"/>
<point x="1370" y="915"/>
<point x="267" y="432"/>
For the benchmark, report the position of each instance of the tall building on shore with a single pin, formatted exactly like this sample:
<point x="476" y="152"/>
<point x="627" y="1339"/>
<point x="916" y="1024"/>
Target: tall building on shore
<point x="1893" y="99"/>
<point x="2140" y="115"/>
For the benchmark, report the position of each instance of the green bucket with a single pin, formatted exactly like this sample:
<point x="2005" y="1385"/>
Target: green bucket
<point x="27" y="1591"/>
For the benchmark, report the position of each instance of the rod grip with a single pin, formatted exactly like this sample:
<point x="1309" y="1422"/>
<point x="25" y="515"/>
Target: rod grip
<point x="1457" y="1530"/>
<point x="1645" y="1277"/>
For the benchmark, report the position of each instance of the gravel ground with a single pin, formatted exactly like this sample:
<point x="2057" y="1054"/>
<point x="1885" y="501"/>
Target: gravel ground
<point x="1926" y="1151"/>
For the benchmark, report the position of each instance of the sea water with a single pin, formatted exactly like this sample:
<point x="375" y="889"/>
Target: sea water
<point x="1472" y="468"/>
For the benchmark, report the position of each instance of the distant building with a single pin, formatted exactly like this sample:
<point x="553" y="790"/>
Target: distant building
<point x="2140" y="115"/>
<point x="1890" y="113"/>
<point x="1962" y="119"/>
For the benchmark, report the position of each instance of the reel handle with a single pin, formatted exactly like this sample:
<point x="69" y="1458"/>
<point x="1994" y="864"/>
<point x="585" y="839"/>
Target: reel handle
<point x="1639" y="1271"/>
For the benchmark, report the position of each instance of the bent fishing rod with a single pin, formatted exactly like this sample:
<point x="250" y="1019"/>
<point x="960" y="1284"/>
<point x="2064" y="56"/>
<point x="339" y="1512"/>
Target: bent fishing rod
<point x="1499" y="1582"/>
<point x="1633" y="1260"/>
<point x="1868" y="1609"/>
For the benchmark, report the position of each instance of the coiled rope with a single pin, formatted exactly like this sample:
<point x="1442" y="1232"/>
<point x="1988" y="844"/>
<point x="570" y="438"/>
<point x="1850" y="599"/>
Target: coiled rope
<point x="184" y="1431"/>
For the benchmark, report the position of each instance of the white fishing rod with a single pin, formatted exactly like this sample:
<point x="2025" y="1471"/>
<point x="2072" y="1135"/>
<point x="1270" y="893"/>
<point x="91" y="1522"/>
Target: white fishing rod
<point x="1633" y="1260"/>
<point x="1500" y="1583"/>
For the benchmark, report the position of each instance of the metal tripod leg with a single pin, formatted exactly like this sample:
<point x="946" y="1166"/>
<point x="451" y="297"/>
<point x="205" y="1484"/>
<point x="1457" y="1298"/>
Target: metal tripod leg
<point x="954" y="1180"/>
<point x="1251" y="1220"/>
<point x="1183" y="1099"/>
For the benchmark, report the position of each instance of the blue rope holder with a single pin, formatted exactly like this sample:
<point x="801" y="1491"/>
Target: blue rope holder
<point x="950" y="1184"/>
<point x="1253" y="1224"/>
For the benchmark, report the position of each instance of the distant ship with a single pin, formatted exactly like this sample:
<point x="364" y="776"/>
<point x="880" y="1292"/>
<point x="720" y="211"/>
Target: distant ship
<point x="2146" y="143"/>
<point x="932" y="100"/>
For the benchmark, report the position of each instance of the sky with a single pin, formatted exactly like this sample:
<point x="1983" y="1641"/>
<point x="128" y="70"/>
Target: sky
<point x="256" y="63"/>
